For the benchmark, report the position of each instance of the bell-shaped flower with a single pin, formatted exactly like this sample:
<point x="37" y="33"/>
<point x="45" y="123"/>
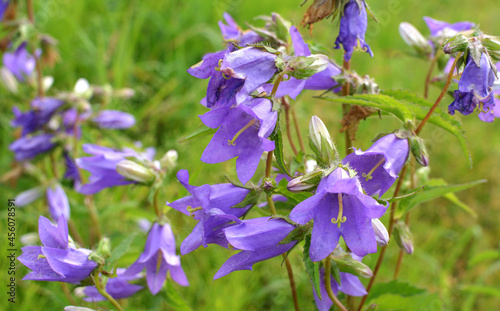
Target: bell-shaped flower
<point x="56" y="260"/>
<point x="42" y="110"/>
<point x="258" y="239"/>
<point x="28" y="147"/>
<point x="475" y="90"/>
<point x="353" y="25"/>
<point x="58" y="202"/>
<point x="113" y="119"/>
<point x="444" y="29"/>
<point x="339" y="208"/>
<point x="4" y="4"/>
<point x="233" y="33"/>
<point x="20" y="62"/>
<point x="378" y="167"/>
<point x="158" y="258"/>
<point x="211" y="206"/>
<point x="118" y="287"/>
<point x="242" y="133"/>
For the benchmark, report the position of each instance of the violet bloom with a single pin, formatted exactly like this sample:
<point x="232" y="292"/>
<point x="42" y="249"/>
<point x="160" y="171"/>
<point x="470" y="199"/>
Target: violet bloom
<point x="211" y="206"/>
<point x="243" y="133"/>
<point x="378" y="167"/>
<point x="113" y="119"/>
<point x="58" y="202"/>
<point x="353" y="24"/>
<point x="118" y="287"/>
<point x="4" y="4"/>
<point x="102" y="166"/>
<point x="20" y="62"/>
<point x="30" y="146"/>
<point x="56" y="260"/>
<point x="440" y="28"/>
<point x="339" y="208"/>
<point x="233" y="33"/>
<point x="258" y="239"/>
<point x="158" y="258"/>
<point x="42" y="110"/>
<point x="349" y="285"/>
<point x="475" y="90"/>
<point x="71" y="172"/>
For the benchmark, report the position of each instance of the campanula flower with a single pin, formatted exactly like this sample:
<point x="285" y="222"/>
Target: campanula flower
<point x="475" y="90"/>
<point x="440" y="28"/>
<point x="56" y="260"/>
<point x="353" y="25"/>
<point x="4" y="4"/>
<point x="118" y="287"/>
<point x="258" y="239"/>
<point x="58" y="202"/>
<point x="42" y="110"/>
<point x="233" y="33"/>
<point x="378" y="167"/>
<point x="113" y="119"/>
<point x="339" y="208"/>
<point x="243" y="132"/>
<point x="20" y="62"/>
<point x="158" y="258"/>
<point x="28" y="147"/>
<point x="211" y="206"/>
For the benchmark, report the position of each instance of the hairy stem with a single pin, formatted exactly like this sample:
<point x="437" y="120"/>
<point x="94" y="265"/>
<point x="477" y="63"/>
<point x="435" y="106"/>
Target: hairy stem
<point x="328" y="285"/>
<point x="429" y="74"/>
<point x="103" y="292"/>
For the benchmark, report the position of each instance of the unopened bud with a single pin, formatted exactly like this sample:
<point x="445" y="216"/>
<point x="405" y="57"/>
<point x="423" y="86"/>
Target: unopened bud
<point x="104" y="247"/>
<point x="403" y="237"/>
<point x="311" y="165"/>
<point x="26" y="197"/>
<point x="305" y="182"/>
<point x="419" y="151"/>
<point x="82" y="88"/>
<point x="94" y="256"/>
<point x="135" y="171"/>
<point x="414" y="39"/>
<point x="321" y="142"/>
<point x="381" y="234"/>
<point x="303" y="67"/>
<point x="347" y="263"/>
<point x="47" y="82"/>
<point x="458" y="43"/>
<point x="169" y="160"/>
<point x="8" y="80"/>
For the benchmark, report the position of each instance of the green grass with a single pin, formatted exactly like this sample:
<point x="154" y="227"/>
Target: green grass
<point x="148" y="46"/>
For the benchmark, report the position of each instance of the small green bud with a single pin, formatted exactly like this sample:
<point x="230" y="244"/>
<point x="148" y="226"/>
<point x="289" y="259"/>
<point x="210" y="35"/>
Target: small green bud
<point x="94" y="256"/>
<point x="104" y="247"/>
<point x="321" y="142"/>
<point x="303" y="67"/>
<point x="346" y="263"/>
<point x="458" y="43"/>
<point x="415" y="39"/>
<point x="403" y="237"/>
<point x="169" y="160"/>
<point x="305" y="182"/>
<point x="419" y="150"/>
<point x="135" y="171"/>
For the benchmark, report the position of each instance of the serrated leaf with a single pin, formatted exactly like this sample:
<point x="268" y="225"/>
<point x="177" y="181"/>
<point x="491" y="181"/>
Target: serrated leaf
<point x="175" y="300"/>
<point x="394" y="287"/>
<point x="399" y="198"/>
<point x="203" y="130"/>
<point x="335" y="271"/>
<point x="420" y="107"/>
<point x="121" y="249"/>
<point x="294" y="197"/>
<point x="277" y="137"/>
<point x="312" y="267"/>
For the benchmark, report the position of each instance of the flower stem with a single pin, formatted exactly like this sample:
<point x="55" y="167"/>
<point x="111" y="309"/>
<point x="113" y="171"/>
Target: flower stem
<point x="328" y="285"/>
<point x="296" y="123"/>
<point x="277" y="82"/>
<point x="103" y="292"/>
<point x="287" y="119"/>
<point x="155" y="204"/>
<point x="345" y="109"/>
<point x="443" y="92"/>
<point x="429" y="74"/>
<point x="95" y="231"/>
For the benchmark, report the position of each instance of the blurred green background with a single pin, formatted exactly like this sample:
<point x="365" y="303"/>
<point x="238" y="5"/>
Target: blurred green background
<point x="148" y="46"/>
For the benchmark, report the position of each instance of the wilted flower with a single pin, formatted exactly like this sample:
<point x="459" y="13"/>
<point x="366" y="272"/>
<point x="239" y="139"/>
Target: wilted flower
<point x="158" y="258"/>
<point x="211" y="206"/>
<point x="349" y="285"/>
<point x="353" y="24"/>
<point x="339" y="208"/>
<point x="258" y="239"/>
<point x="56" y="260"/>
<point x="58" y="202"/>
<point x="117" y="287"/>
<point x="30" y="146"/>
<point x="20" y="62"/>
<point x="113" y="119"/>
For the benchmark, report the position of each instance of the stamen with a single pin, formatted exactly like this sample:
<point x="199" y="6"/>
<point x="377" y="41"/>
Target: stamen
<point x="369" y="175"/>
<point x="191" y="210"/>
<point x="218" y="65"/>
<point x="40" y="256"/>
<point x="225" y="76"/>
<point x="158" y="263"/>
<point x="340" y="219"/>
<point x="249" y="124"/>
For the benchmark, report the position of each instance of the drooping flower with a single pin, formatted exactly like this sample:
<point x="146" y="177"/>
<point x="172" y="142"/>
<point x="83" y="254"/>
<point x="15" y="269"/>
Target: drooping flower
<point x="30" y="146"/>
<point x="440" y="28"/>
<point x="113" y="119"/>
<point x="475" y="90"/>
<point x="118" y="287"/>
<point x="349" y="285"/>
<point x="56" y="260"/>
<point x="42" y="110"/>
<point x="158" y="258"/>
<point x="353" y="25"/>
<point x="339" y="208"/>
<point x="20" y="62"/>
<point x="258" y="239"/>
<point x="378" y="167"/>
<point x="243" y="133"/>
<point x="211" y="206"/>
<point x="58" y="202"/>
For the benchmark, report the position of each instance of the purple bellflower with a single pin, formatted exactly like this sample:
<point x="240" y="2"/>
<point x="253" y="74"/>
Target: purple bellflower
<point x="243" y="133"/>
<point x="378" y="167"/>
<point x="42" y="110"/>
<point x="475" y="90"/>
<point x="353" y="25"/>
<point x="158" y="258"/>
<point x="56" y="260"/>
<point x="28" y="147"/>
<point x="440" y="28"/>
<point x="113" y="119"/>
<point x="258" y="239"/>
<point x="349" y="285"/>
<point x="71" y="172"/>
<point x="58" y="202"/>
<point x="339" y="208"/>
<point x="233" y="33"/>
<point x="211" y="206"/>
<point x="118" y="287"/>
<point x="4" y="4"/>
<point x="20" y="62"/>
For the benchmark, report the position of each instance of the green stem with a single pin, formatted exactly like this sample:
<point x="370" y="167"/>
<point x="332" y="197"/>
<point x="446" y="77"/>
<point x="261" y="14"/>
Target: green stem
<point x="103" y="292"/>
<point x="328" y="286"/>
<point x="155" y="203"/>
<point x="297" y="129"/>
<point x="287" y="119"/>
<point x="429" y="74"/>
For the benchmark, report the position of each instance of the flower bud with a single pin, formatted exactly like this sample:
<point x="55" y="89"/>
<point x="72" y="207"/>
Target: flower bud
<point x="403" y="237"/>
<point x="311" y="165"/>
<point x="305" y="182"/>
<point x="96" y="257"/>
<point x="457" y="43"/>
<point x="419" y="151"/>
<point x="104" y="247"/>
<point x="169" y="160"/>
<point x="414" y="39"/>
<point x="320" y="142"/>
<point x="381" y="234"/>
<point x="82" y="88"/>
<point x="8" y="80"/>
<point x="347" y="263"/>
<point x="28" y="196"/>
<point x="303" y="67"/>
<point x="74" y="308"/>
<point x="135" y="171"/>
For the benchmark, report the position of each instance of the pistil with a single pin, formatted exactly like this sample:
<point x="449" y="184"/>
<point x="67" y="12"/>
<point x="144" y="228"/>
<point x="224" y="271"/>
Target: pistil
<point x="249" y="124"/>
<point x="340" y="219"/>
<point x="369" y="175"/>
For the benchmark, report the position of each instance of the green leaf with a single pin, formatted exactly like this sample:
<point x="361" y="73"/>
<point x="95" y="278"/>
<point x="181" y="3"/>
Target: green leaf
<point x="276" y="136"/>
<point x="335" y="271"/>
<point x="294" y="197"/>
<point x="425" y="301"/>
<point x="203" y="130"/>
<point x="491" y="254"/>
<point x="433" y="192"/>
<point x="394" y="287"/>
<point x="175" y="300"/>
<point x="312" y="267"/>
<point x="251" y="199"/>
<point x="395" y="199"/>
<point x="298" y="234"/>
<point x="121" y="249"/>
<point x="440" y="118"/>
<point x="378" y="101"/>
<point x="482" y="289"/>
